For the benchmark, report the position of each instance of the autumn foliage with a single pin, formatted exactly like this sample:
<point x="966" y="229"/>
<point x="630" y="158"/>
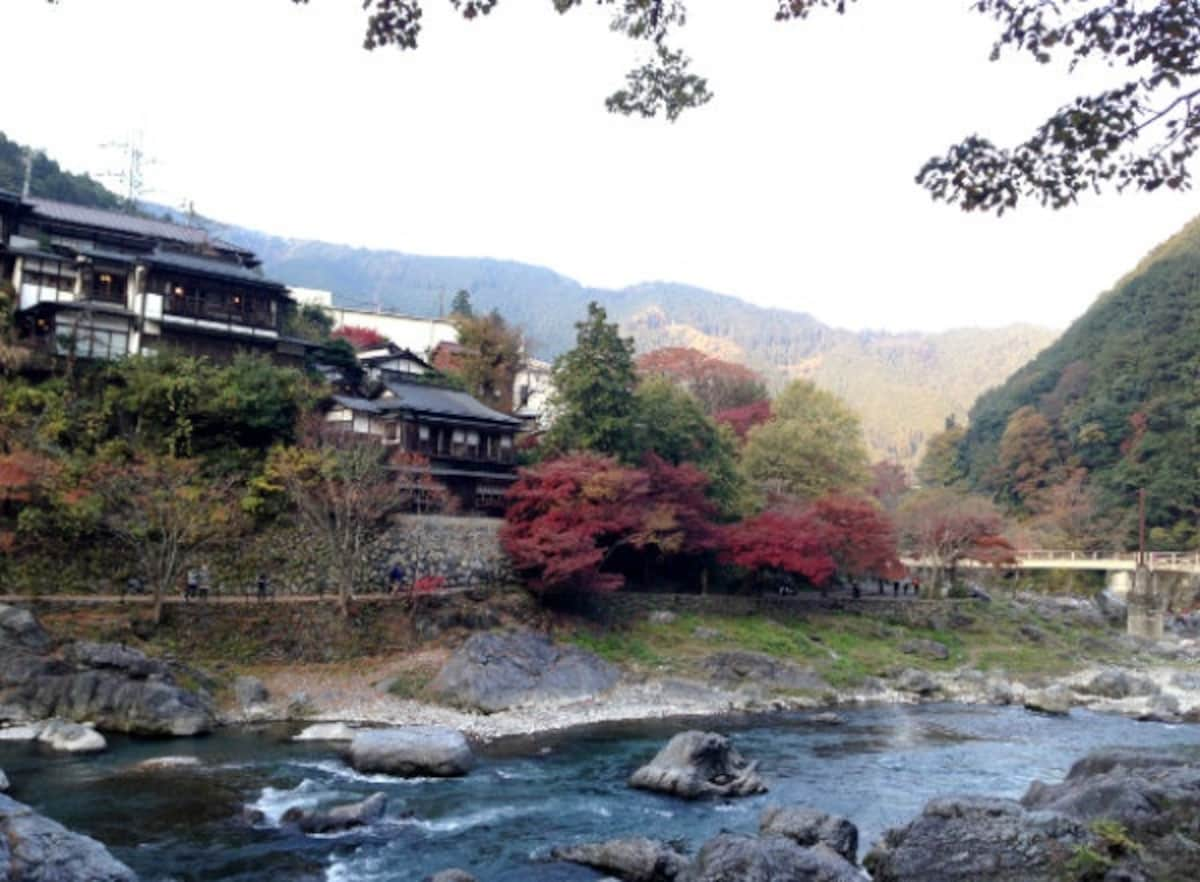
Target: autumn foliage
<point x="360" y="338"/>
<point x="835" y="534"/>
<point x="568" y="517"/>
<point x="717" y="384"/>
<point x="743" y="419"/>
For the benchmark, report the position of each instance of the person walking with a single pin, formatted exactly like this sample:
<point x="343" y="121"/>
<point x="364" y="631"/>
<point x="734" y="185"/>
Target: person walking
<point x="263" y="586"/>
<point x="192" y="584"/>
<point x="396" y="577"/>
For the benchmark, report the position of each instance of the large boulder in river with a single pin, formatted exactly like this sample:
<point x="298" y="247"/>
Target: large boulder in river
<point x="34" y="848"/>
<point x="495" y="671"/>
<point x="730" y="858"/>
<point x="634" y="860"/>
<point x="412" y="751"/>
<point x="1135" y="813"/>
<point x="118" y="688"/>
<point x="698" y="764"/>
<point x="977" y="839"/>
<point x="71" y="737"/>
<point x="808" y="826"/>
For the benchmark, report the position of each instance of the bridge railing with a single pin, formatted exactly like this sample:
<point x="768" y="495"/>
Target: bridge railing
<point x="1022" y="557"/>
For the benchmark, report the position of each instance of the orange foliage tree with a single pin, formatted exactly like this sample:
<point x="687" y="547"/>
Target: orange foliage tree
<point x="718" y="385"/>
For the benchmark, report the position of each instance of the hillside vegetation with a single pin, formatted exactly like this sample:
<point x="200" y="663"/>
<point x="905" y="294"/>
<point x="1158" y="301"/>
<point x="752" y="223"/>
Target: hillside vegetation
<point x="1112" y="407"/>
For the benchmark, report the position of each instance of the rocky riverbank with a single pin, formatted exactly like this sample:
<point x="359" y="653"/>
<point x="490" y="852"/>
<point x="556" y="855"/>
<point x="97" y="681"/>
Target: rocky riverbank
<point x="497" y="685"/>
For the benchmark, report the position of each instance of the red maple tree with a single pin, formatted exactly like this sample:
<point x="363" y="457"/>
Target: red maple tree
<point x="568" y="517"/>
<point x="360" y="338"/>
<point x="859" y="536"/>
<point x="786" y="541"/>
<point x="743" y="419"/>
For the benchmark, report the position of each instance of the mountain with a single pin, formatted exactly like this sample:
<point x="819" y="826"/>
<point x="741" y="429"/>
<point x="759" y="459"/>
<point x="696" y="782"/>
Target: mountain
<point x="903" y="385"/>
<point x="1118" y="396"/>
<point x="49" y="180"/>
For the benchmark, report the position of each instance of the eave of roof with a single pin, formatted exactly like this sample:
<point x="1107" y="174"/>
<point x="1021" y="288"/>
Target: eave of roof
<point x="81" y="215"/>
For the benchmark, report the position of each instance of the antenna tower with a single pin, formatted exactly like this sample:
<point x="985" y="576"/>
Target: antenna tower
<point x="131" y="174"/>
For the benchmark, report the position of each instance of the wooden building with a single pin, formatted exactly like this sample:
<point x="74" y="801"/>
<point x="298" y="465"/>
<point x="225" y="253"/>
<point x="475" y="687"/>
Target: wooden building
<point x="470" y="447"/>
<point x="103" y="284"/>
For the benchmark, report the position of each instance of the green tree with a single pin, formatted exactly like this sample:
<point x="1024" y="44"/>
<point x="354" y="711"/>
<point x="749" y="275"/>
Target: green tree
<point x="673" y="424"/>
<point x="493" y="352"/>
<point x="594" y="391"/>
<point x="461" y="305"/>
<point x="309" y="322"/>
<point x="941" y="465"/>
<point x="813" y="445"/>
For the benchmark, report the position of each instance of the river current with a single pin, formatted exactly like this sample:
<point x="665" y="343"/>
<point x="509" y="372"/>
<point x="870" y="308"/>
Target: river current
<point x="181" y="822"/>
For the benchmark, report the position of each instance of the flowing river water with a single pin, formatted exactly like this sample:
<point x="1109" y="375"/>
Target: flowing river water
<point x="181" y="822"/>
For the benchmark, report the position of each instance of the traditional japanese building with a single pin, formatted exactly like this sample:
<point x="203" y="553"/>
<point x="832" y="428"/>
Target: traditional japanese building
<point x="470" y="447"/>
<point x="103" y="284"/>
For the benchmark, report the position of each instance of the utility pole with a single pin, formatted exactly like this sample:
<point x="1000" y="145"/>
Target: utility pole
<point x="29" y="155"/>
<point x="1141" y="559"/>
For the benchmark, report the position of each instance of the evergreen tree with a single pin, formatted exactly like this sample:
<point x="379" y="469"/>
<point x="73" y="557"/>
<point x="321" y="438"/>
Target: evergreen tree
<point x="594" y="391"/>
<point x="461" y="305"/>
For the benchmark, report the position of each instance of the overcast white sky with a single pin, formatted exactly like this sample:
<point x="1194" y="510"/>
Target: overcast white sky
<point x="793" y="188"/>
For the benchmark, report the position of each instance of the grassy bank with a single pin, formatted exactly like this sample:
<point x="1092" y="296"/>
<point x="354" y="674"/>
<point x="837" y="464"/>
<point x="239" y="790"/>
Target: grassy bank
<point x="846" y="648"/>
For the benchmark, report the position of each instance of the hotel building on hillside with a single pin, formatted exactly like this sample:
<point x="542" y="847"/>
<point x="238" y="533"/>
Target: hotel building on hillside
<point x="102" y="284"/>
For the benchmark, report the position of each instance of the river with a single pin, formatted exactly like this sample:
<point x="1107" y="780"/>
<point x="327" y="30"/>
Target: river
<point x="181" y="822"/>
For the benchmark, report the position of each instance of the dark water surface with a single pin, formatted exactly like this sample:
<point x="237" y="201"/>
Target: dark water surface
<point x="523" y="798"/>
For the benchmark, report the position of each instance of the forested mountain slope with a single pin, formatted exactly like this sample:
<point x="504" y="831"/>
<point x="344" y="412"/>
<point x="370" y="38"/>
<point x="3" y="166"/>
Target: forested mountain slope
<point x="1114" y="405"/>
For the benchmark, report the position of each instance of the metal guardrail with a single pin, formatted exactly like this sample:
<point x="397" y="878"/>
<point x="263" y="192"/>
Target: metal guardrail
<point x="1161" y="560"/>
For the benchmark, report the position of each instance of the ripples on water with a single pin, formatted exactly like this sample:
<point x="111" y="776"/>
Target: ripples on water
<point x="182" y="822"/>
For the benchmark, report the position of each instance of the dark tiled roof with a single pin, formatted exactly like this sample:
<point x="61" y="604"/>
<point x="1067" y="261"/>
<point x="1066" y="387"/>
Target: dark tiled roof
<point x="441" y="402"/>
<point x="433" y="400"/>
<point x="208" y="266"/>
<point x="133" y="225"/>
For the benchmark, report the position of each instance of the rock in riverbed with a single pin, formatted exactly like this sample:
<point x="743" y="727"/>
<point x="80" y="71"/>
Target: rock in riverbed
<point x="327" y="732"/>
<point x="34" y="848"/>
<point x="412" y="751"/>
<point x="1129" y="815"/>
<point x="1055" y="701"/>
<point x="1116" y="683"/>
<point x="807" y="826"/>
<point x="116" y="687"/>
<point x="452" y="875"/>
<point x="71" y="737"/>
<point x="338" y="818"/>
<point x="730" y="858"/>
<point x="633" y="860"/>
<point x="697" y="764"/>
<point x="495" y="671"/>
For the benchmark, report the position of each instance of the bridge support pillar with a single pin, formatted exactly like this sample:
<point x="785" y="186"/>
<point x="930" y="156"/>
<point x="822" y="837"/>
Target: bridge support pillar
<point x="1145" y="616"/>
<point x="1120" y="582"/>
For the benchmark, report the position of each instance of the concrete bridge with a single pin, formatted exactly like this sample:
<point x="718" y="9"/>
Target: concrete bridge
<point x="1146" y="585"/>
<point x="1095" y="561"/>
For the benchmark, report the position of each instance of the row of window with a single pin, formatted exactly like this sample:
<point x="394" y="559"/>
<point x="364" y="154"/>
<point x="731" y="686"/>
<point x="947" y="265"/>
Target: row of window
<point x="217" y="303"/>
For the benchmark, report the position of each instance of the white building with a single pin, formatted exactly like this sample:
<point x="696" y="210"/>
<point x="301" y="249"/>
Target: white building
<point x="417" y="334"/>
